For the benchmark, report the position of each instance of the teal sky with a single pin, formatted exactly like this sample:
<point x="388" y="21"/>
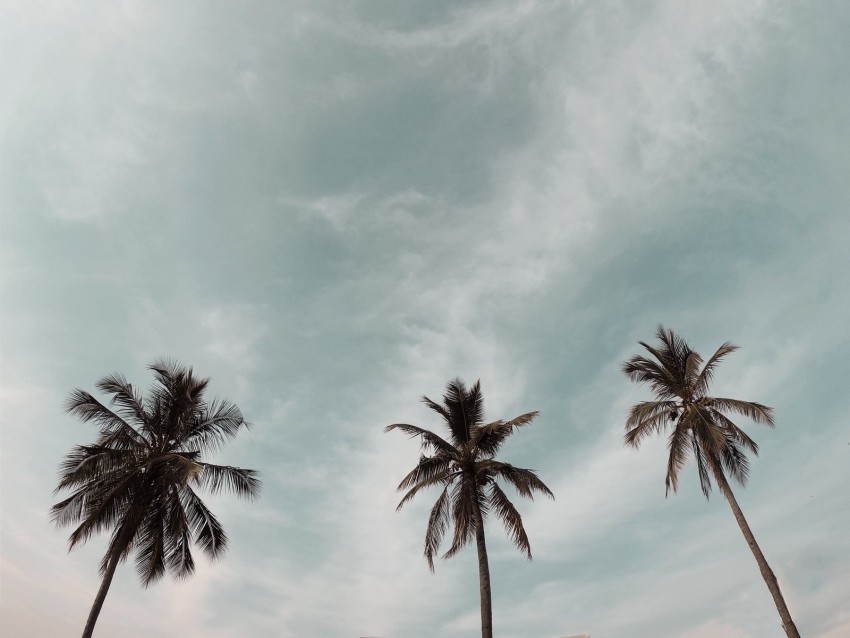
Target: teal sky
<point x="334" y="208"/>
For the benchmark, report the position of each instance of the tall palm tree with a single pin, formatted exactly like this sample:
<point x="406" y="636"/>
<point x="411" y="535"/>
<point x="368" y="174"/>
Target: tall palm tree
<point x="700" y="426"/>
<point x="465" y="467"/>
<point x="137" y="478"/>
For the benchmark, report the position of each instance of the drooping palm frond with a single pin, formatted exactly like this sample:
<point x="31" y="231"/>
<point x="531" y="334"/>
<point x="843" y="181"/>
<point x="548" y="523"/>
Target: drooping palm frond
<point x="647" y="418"/>
<point x="524" y="481"/>
<point x="217" y="478"/>
<point x="150" y="545"/>
<point x="445" y="477"/>
<point x="207" y="532"/>
<point x="464" y="497"/>
<point x="642" y="370"/>
<point x="429" y="467"/>
<point x="735" y="463"/>
<point x="438" y="523"/>
<point x="429" y="439"/>
<point x="702" y="464"/>
<point x="505" y="510"/>
<point x="755" y="411"/>
<point x="677" y="443"/>
<point x="734" y="432"/>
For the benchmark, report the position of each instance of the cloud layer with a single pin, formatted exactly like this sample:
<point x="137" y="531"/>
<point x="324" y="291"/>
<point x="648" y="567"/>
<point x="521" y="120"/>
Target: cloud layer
<point x="333" y="211"/>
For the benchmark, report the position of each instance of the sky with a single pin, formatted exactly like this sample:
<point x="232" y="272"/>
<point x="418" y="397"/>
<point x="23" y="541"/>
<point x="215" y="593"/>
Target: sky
<point x="332" y="209"/>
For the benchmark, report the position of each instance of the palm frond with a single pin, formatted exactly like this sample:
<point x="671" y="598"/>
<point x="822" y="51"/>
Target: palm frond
<point x="755" y="411"/>
<point x="105" y="506"/>
<point x="85" y="463"/>
<point x="465" y="408"/>
<point x="487" y="439"/>
<point x="216" y="478"/>
<point x="692" y="369"/>
<point x="438" y="522"/>
<point x="124" y="533"/>
<point x="735" y="463"/>
<point x="125" y="397"/>
<point x="710" y="436"/>
<point x="708" y="369"/>
<point x="206" y="530"/>
<point x="523" y="419"/>
<point x="85" y="407"/>
<point x="702" y="467"/>
<point x="178" y="537"/>
<point x="70" y="510"/>
<point x="649" y="417"/>
<point x="524" y="481"/>
<point x="439" y="409"/>
<point x="150" y="546"/>
<point x="427" y="468"/>
<point x="661" y="379"/>
<point x="443" y="478"/>
<point x="463" y="499"/>
<point x="734" y="432"/>
<point x="429" y="439"/>
<point x="217" y="423"/>
<point x="511" y="518"/>
<point x="677" y="445"/>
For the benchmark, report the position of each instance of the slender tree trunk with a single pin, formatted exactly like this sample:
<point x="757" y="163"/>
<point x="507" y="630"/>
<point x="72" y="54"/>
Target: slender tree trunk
<point x="483" y="577"/>
<point x="101" y="595"/>
<point x="766" y="572"/>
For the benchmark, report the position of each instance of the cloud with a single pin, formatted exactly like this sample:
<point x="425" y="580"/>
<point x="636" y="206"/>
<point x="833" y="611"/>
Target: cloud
<point x="334" y="211"/>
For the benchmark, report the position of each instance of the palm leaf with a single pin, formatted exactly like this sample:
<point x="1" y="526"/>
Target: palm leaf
<point x="428" y="438"/>
<point x="427" y="468"/>
<point x="707" y="373"/>
<point x="443" y="478"/>
<point x="438" y="523"/>
<point x="206" y="530"/>
<point x="755" y="411"/>
<point x="240" y="481"/>
<point x="677" y="445"/>
<point x="524" y="481"/>
<point x="511" y="518"/>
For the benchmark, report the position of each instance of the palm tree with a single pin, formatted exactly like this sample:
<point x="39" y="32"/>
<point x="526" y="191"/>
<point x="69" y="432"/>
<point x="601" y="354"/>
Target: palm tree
<point x="466" y="469"/>
<point x="700" y="426"/>
<point x="137" y="478"/>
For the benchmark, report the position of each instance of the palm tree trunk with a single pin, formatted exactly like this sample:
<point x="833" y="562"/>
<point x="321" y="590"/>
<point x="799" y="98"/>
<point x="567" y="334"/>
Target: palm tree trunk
<point x="766" y="572"/>
<point x="101" y="594"/>
<point x="483" y="576"/>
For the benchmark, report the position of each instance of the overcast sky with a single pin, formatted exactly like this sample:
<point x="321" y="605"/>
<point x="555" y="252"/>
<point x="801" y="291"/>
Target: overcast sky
<point x="333" y="208"/>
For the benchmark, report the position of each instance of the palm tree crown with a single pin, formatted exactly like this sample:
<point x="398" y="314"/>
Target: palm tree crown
<point x="700" y="423"/>
<point x="466" y="469"/>
<point x="138" y="478"/>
